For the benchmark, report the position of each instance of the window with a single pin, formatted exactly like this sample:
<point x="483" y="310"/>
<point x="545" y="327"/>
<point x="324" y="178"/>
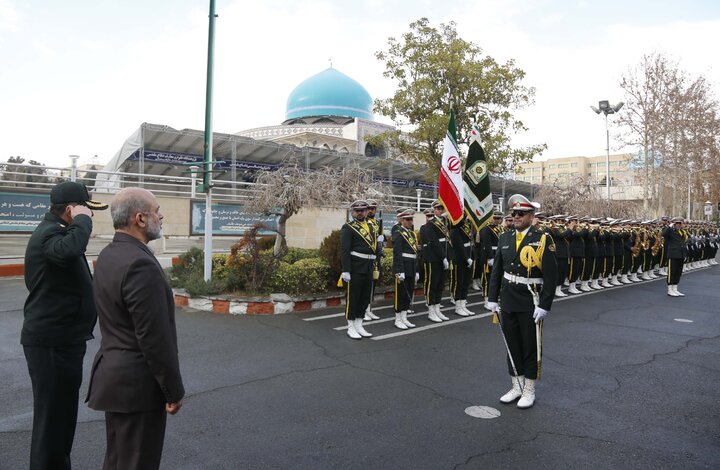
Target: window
<point x="573" y="165"/>
<point x="552" y="166"/>
<point x="562" y="165"/>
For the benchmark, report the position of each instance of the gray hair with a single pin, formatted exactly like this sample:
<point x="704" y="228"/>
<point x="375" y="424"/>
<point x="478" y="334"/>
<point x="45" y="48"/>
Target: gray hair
<point x="126" y="204"/>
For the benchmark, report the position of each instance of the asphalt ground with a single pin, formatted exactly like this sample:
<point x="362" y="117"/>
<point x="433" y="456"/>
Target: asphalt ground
<point x="624" y="385"/>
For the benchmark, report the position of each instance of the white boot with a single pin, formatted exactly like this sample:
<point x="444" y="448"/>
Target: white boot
<point x="606" y="282"/>
<point x="624" y="279"/>
<point x="459" y="308"/>
<point x="594" y="284"/>
<point x="367" y="314"/>
<point x="566" y="283"/>
<point x="359" y="328"/>
<point x="559" y="292"/>
<point x="475" y="285"/>
<point x="398" y="321"/>
<point x="585" y="286"/>
<point x="663" y="271"/>
<point x="432" y="315"/>
<point x="645" y="276"/>
<point x="467" y="310"/>
<point x="671" y="291"/>
<point x="515" y="392"/>
<point x="485" y="305"/>
<point x="404" y="319"/>
<point x="351" y="330"/>
<point x="615" y="281"/>
<point x="439" y="313"/>
<point x="677" y="292"/>
<point x="634" y="277"/>
<point x="573" y="288"/>
<point x="528" y="395"/>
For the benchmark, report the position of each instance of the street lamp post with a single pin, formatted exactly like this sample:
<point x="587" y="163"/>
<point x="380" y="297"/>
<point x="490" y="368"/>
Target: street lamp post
<point x="606" y="108"/>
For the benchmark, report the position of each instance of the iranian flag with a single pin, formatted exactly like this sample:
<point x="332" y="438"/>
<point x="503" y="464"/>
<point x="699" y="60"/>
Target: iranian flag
<point x="450" y="186"/>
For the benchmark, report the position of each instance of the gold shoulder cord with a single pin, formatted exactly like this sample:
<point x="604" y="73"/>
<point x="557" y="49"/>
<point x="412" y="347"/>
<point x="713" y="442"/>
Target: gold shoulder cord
<point x="531" y="258"/>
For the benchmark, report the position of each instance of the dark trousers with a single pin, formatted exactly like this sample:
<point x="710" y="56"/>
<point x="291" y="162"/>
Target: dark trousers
<point x="563" y="266"/>
<point x="522" y="340"/>
<point x="577" y="265"/>
<point x="675" y="267"/>
<point x="434" y="282"/>
<point x="134" y="440"/>
<point x="608" y="266"/>
<point x="459" y="280"/>
<point x="357" y="296"/>
<point x="403" y="293"/>
<point x="56" y="375"/>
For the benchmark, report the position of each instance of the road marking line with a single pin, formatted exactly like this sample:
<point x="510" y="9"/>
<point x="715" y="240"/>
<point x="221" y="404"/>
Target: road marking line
<point x="392" y="319"/>
<point x="429" y="327"/>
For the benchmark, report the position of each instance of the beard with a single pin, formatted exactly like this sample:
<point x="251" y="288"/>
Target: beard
<point x="154" y="229"/>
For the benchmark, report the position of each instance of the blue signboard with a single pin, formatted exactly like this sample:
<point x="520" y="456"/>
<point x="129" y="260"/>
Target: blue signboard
<point x="229" y="219"/>
<point x="177" y="158"/>
<point x="22" y="212"/>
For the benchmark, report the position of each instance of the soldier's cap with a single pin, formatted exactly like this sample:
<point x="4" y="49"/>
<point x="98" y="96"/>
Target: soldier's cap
<point x="571" y="217"/>
<point x="372" y="203"/>
<point x="429" y="211"/>
<point x="508" y="217"/>
<point x="677" y="219"/>
<point x="70" y="191"/>
<point x="498" y="215"/>
<point x="359" y="205"/>
<point x="518" y="202"/>
<point x="664" y="218"/>
<point x="406" y="214"/>
<point x="540" y="215"/>
<point x="437" y="204"/>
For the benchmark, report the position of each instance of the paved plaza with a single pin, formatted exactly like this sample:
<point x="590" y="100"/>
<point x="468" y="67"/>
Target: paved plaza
<point x="630" y="380"/>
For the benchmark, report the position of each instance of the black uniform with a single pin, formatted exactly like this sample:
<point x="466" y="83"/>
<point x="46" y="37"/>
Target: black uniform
<point x="405" y="251"/>
<point x="461" y="242"/>
<point x="59" y="318"/>
<point x="675" y="245"/>
<point x="562" y="250"/>
<point x="358" y="243"/>
<point x="577" y="253"/>
<point x="516" y="297"/>
<point x="434" y="235"/>
<point x="488" y="247"/>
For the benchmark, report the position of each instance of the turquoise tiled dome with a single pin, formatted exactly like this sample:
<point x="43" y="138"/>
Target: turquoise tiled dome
<point x="329" y="93"/>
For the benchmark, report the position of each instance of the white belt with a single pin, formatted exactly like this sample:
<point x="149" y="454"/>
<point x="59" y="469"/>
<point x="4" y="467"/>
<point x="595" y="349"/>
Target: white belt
<point x="362" y="255"/>
<point x="409" y="255"/>
<point x="467" y="244"/>
<point x="494" y="247"/>
<point x="523" y="280"/>
<point x="442" y="239"/>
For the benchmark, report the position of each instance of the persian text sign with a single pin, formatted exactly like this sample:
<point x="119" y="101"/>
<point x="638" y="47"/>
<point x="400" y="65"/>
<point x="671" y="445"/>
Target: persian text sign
<point x="229" y="219"/>
<point x="22" y="212"/>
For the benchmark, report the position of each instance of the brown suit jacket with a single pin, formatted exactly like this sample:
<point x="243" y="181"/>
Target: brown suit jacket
<point x="136" y="368"/>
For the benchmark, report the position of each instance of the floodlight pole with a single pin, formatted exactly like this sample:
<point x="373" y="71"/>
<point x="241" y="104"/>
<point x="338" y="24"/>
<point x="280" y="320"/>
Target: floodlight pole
<point x="207" y="155"/>
<point x="607" y="157"/>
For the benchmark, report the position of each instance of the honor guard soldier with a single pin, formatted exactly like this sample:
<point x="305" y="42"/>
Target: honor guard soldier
<point x="577" y="253"/>
<point x="675" y="239"/>
<point x="461" y="237"/>
<point x="378" y="227"/>
<point x="405" y="251"/>
<point x="523" y="278"/>
<point x="434" y="235"/>
<point x="488" y="247"/>
<point x="358" y="245"/>
<point x="561" y="235"/>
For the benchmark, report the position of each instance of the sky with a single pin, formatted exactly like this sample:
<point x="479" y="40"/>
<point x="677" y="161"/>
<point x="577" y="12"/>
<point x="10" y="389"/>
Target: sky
<point x="80" y="76"/>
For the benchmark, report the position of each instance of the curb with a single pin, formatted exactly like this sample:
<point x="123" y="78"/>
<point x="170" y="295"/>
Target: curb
<point x="275" y="304"/>
<point x="14" y="270"/>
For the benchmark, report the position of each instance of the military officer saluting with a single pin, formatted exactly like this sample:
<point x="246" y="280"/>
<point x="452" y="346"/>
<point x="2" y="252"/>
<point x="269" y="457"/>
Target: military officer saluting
<point x="405" y="254"/>
<point x="675" y="244"/>
<point x="524" y="276"/>
<point x="358" y="244"/>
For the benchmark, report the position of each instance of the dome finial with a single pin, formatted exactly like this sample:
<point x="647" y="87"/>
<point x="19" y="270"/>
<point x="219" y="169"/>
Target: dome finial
<point x="330" y="60"/>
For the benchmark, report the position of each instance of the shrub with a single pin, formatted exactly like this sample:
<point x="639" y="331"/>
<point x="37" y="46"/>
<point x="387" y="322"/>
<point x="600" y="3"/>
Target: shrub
<point x="266" y="242"/>
<point x="306" y="276"/>
<point x="330" y="253"/>
<point x="386" y="268"/>
<point x="296" y="254"/>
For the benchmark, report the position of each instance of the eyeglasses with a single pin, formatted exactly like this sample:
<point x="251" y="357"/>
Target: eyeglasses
<point x="519" y="213"/>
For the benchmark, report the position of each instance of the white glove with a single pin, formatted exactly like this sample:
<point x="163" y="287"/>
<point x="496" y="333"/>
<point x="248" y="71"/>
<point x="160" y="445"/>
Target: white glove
<point x="417" y="277"/>
<point x="401" y="276"/>
<point x="470" y="262"/>
<point x="446" y="265"/>
<point x="381" y="238"/>
<point x="493" y="306"/>
<point x="539" y="314"/>
<point x="346" y="277"/>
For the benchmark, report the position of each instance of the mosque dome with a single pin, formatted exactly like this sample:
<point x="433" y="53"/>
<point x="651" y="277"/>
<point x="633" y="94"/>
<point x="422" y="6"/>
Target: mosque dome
<point x="329" y="93"/>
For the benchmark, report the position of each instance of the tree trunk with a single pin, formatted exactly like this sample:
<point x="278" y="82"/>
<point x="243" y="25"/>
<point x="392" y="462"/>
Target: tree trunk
<point x="280" y="249"/>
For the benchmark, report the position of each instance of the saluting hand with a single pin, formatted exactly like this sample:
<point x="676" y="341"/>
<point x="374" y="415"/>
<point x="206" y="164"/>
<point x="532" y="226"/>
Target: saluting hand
<point x="80" y="210"/>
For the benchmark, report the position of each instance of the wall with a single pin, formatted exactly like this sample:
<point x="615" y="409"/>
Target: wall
<point x="176" y="214"/>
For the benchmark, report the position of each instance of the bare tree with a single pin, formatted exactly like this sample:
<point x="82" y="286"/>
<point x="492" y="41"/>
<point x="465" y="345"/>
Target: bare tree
<point x="582" y="197"/>
<point x="290" y="188"/>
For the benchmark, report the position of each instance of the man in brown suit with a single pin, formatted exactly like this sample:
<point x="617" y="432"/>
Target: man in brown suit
<point x="136" y="375"/>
